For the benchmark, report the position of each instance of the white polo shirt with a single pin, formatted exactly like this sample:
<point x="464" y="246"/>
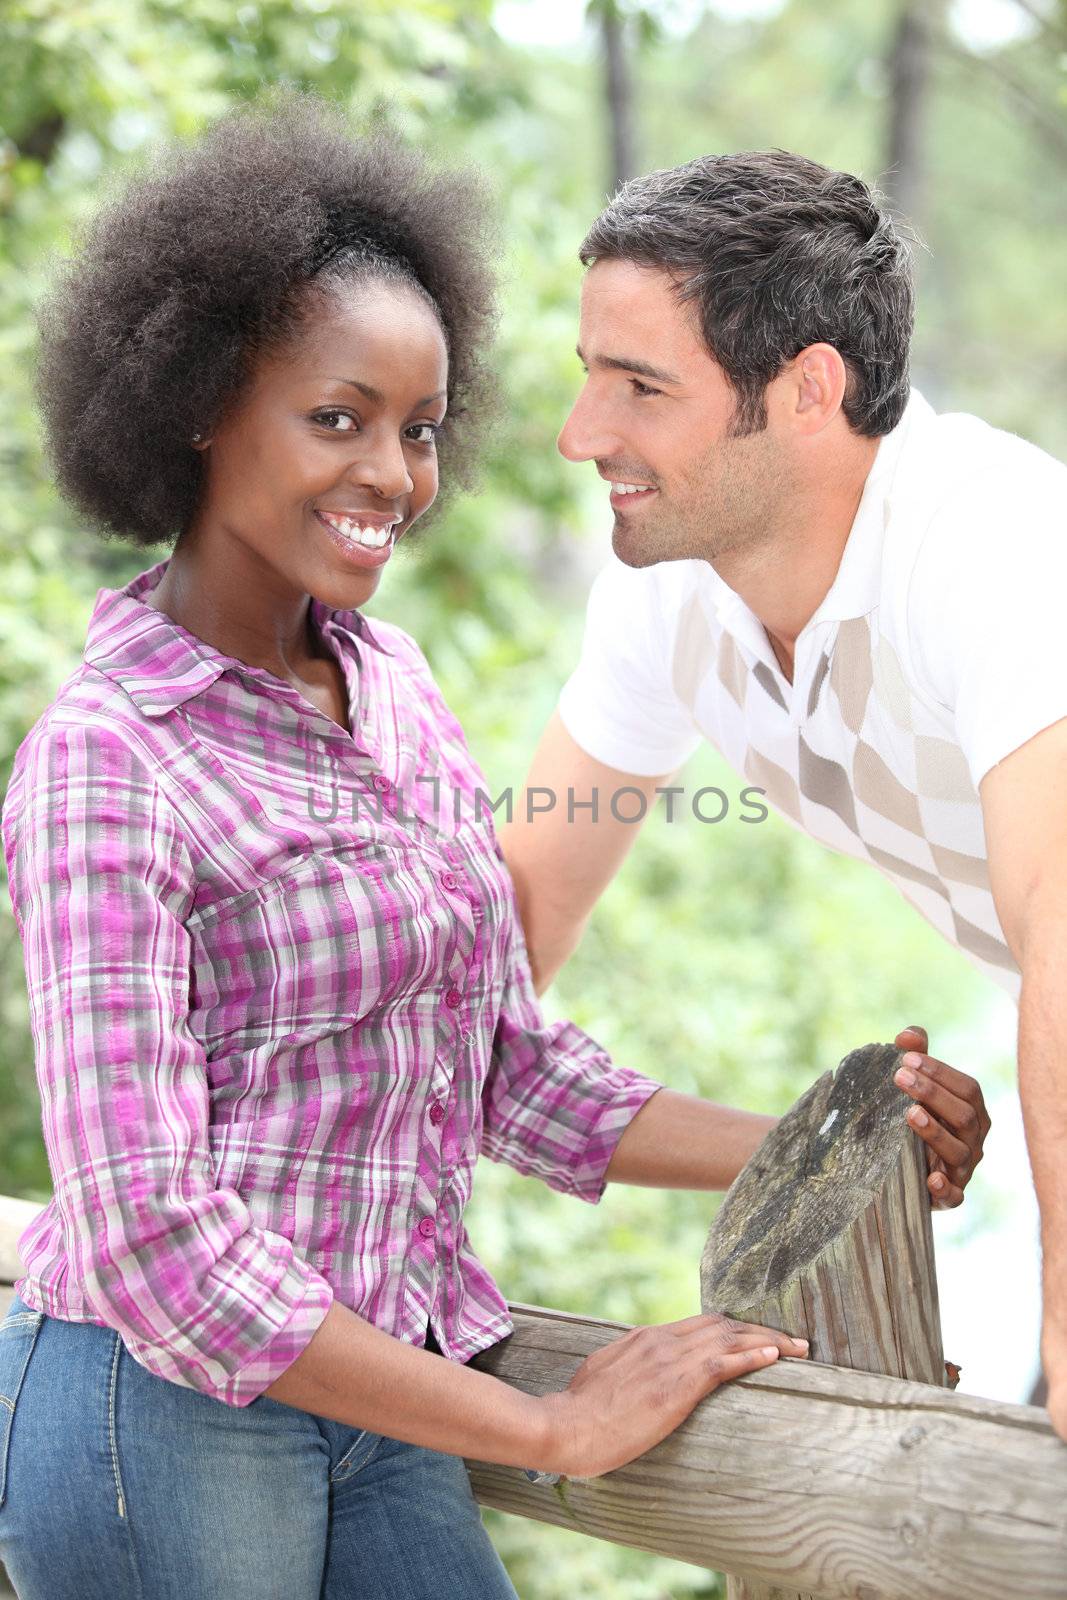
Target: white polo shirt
<point x="938" y="651"/>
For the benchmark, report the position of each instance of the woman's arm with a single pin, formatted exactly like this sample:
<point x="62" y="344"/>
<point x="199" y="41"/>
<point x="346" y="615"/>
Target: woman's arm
<point x="622" y="1400"/>
<point x="102" y="884"/>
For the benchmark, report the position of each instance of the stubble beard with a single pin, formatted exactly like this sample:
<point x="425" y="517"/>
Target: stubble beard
<point x="725" y="511"/>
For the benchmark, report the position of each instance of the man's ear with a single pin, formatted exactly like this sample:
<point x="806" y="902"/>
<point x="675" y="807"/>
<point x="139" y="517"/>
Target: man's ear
<point x="815" y="387"/>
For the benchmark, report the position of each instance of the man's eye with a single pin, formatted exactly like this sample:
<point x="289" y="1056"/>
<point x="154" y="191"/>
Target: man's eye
<point x="642" y="389"/>
<point x="332" y="419"/>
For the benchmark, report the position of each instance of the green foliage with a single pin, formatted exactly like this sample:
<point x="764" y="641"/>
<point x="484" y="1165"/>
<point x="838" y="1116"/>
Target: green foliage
<point x="730" y="960"/>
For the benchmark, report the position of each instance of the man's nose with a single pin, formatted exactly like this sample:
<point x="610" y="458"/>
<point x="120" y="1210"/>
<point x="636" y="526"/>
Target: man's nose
<point x="585" y="436"/>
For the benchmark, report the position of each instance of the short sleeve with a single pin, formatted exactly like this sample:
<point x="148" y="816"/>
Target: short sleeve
<point x="985" y="610"/>
<point x="619" y="703"/>
<point x="101" y="883"/>
<point x="554" y="1105"/>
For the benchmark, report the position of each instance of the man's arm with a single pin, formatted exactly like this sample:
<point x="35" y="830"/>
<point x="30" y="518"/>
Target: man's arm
<point x="1024" y="805"/>
<point x="560" y="858"/>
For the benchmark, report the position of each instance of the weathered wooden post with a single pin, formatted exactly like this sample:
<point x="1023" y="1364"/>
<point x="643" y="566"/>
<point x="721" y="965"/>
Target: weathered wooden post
<point x="826" y="1234"/>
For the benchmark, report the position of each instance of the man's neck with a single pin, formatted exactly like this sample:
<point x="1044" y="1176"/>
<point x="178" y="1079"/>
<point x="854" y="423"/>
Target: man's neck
<point x="785" y="579"/>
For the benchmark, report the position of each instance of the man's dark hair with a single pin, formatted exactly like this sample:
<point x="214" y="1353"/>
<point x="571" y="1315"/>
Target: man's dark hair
<point x="776" y="252"/>
<point x="213" y="255"/>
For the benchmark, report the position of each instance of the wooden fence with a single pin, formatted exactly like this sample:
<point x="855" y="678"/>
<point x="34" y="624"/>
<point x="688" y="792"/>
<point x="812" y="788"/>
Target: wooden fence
<point x="859" y="1474"/>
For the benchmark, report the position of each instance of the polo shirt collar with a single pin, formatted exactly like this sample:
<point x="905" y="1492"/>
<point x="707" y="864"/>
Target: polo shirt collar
<point x="161" y="665"/>
<point x="856" y="588"/>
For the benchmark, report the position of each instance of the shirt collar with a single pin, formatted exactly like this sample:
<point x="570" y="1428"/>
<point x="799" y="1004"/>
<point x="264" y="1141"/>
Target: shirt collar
<point x="161" y="665"/>
<point x="857" y="585"/>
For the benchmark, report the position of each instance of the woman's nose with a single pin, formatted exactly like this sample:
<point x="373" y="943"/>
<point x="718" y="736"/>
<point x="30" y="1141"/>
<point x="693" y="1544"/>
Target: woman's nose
<point x="383" y="467"/>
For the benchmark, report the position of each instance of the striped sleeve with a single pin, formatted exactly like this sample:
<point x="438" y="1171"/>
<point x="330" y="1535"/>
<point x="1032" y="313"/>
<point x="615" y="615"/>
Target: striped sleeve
<point x="554" y="1105"/>
<point x="101" y="880"/>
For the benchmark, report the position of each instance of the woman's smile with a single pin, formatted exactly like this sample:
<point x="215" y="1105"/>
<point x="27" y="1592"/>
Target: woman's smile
<point x="364" y="539"/>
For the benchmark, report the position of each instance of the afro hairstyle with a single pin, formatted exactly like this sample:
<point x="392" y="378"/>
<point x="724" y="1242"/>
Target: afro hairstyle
<point x="207" y="258"/>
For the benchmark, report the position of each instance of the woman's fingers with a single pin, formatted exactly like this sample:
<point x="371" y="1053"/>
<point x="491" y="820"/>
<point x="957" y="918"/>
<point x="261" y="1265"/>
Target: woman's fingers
<point x="735" y="1363"/>
<point x="734" y="1335"/>
<point x="632" y="1393"/>
<point x="952" y="1150"/>
<point x="944" y="1194"/>
<point x="727" y="1330"/>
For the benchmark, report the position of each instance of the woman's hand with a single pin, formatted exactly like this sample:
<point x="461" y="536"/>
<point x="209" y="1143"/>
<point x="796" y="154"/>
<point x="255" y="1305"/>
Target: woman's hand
<point x="949" y="1114"/>
<point x="635" y="1391"/>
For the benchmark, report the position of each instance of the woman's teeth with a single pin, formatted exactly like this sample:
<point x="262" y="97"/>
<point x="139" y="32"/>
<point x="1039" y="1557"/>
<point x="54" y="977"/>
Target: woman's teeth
<point x="374" y="538"/>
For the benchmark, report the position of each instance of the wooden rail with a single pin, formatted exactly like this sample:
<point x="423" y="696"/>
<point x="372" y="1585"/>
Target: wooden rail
<point x="813" y="1478"/>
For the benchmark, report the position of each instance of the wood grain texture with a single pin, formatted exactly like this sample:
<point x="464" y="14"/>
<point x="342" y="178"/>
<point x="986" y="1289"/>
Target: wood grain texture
<point x="826" y="1233"/>
<point x="815" y="1479"/>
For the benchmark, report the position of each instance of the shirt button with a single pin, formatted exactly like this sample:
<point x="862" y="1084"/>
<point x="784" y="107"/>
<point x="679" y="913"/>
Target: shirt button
<point x="453" y="998"/>
<point x="437" y="1113"/>
<point x="449" y="881"/>
<point x="381" y="783"/>
<point x="427" y="1227"/>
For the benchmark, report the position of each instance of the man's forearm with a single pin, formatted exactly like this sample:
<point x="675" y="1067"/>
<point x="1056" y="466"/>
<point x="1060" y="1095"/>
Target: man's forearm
<point x="1043" y="1092"/>
<point x="566" y="843"/>
<point x="679" y="1141"/>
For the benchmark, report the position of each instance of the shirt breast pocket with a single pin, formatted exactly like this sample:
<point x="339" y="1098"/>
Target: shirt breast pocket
<point x="330" y="940"/>
<point x="18" y="1335"/>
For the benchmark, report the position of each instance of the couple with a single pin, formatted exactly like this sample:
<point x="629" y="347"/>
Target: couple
<point x="270" y="1046"/>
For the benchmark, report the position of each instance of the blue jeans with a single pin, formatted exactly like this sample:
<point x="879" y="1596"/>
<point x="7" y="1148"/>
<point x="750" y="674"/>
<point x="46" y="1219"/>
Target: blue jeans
<point x="118" y="1485"/>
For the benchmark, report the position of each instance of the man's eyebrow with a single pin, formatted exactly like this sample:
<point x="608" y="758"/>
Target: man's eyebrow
<point x="377" y="398"/>
<point x="625" y="364"/>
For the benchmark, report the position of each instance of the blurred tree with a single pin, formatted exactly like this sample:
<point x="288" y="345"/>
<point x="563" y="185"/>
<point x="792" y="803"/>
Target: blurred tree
<point x="909" y="83"/>
<point x="619" y="89"/>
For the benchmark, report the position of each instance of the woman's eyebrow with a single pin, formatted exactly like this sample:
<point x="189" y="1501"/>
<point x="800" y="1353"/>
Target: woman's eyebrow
<point x="625" y="364"/>
<point x="377" y="398"/>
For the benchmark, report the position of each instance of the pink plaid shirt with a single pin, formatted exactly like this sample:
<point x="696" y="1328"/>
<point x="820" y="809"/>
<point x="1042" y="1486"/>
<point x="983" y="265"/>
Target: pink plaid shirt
<point x="280" y="1001"/>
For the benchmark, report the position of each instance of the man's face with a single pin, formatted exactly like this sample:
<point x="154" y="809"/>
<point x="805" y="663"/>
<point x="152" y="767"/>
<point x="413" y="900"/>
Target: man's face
<point x="657" y="411"/>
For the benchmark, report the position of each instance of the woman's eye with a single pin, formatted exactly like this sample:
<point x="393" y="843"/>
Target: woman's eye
<point x="332" y="420"/>
<point x="642" y="389"/>
<point x="428" y="430"/>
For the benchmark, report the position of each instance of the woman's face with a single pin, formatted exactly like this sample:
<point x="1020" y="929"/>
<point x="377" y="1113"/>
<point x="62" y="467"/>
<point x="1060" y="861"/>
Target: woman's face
<point x="329" y="455"/>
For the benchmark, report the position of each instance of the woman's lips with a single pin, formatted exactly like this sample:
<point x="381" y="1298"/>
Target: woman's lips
<point x="365" y="556"/>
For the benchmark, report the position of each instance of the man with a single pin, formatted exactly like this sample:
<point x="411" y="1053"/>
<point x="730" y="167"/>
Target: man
<point x="856" y="600"/>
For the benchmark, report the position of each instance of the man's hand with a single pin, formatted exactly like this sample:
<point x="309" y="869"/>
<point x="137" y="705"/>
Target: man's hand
<point x="949" y="1114"/>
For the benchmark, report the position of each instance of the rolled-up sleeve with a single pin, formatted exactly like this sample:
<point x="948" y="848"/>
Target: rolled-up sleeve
<point x="554" y="1105"/>
<point x="102" y="882"/>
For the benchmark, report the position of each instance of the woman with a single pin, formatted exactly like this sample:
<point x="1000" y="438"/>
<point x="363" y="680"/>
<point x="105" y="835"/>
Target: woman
<point x="279" y="993"/>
